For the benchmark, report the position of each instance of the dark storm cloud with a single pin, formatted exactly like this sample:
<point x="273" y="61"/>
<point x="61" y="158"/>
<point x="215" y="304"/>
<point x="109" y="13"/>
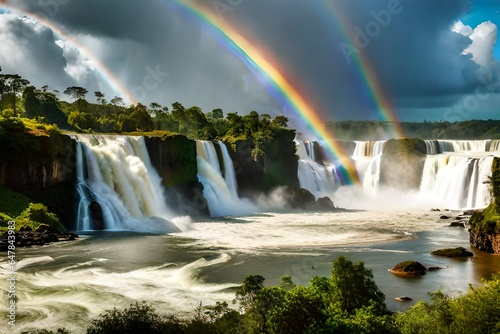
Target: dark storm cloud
<point x="417" y="58"/>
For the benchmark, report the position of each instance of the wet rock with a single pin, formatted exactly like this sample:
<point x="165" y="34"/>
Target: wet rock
<point x="403" y="299"/>
<point x="435" y="209"/>
<point x="25" y="228"/>
<point x="52" y="237"/>
<point x="457" y="224"/>
<point x="408" y="269"/>
<point x="468" y="212"/>
<point x="444" y="217"/>
<point x="452" y="252"/>
<point x="325" y="204"/>
<point x="434" y="268"/>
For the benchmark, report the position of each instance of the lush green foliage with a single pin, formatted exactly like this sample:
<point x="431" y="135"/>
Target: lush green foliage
<point x="36" y="214"/>
<point x="474" y="312"/>
<point x="12" y="203"/>
<point x="487" y="220"/>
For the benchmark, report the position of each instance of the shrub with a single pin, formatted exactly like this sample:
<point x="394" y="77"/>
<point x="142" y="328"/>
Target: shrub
<point x="37" y="214"/>
<point x="138" y="318"/>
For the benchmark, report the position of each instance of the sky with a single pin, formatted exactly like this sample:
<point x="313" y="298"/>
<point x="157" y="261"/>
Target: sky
<point x="409" y="60"/>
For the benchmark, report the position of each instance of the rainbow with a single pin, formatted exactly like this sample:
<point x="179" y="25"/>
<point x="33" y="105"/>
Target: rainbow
<point x="108" y="76"/>
<point x="270" y="75"/>
<point x="367" y="72"/>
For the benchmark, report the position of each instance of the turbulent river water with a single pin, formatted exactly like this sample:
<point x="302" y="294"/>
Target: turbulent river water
<point x="68" y="284"/>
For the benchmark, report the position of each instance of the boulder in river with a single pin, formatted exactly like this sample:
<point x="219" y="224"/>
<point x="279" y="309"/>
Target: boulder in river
<point x="452" y="252"/>
<point x="408" y="269"/>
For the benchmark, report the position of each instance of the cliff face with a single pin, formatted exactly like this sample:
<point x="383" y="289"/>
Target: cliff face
<point x="402" y="163"/>
<point x="42" y="167"/>
<point x="484" y="232"/>
<point x="33" y="163"/>
<point x="277" y="167"/>
<point x="174" y="157"/>
<point x="489" y="243"/>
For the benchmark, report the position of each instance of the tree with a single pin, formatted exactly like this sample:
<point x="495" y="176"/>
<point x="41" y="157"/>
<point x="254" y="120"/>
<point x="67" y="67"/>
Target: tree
<point x="12" y="84"/>
<point x="117" y="100"/>
<point x="217" y="114"/>
<point x="76" y="92"/>
<point x="248" y="291"/>
<point x="353" y="285"/>
<point x="100" y="97"/>
<point x="280" y="121"/>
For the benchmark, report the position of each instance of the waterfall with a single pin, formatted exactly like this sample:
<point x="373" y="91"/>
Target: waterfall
<point x="368" y="148"/>
<point x="316" y="178"/>
<point x="464" y="145"/>
<point x="433" y="147"/>
<point x="319" y="179"/>
<point x="367" y="155"/>
<point x="117" y="181"/>
<point x="495" y="145"/>
<point x="220" y="191"/>
<point x="457" y="180"/>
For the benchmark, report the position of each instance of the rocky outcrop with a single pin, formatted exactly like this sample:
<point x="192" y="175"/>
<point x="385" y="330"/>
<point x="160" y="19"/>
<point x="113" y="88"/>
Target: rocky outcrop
<point x="402" y="163"/>
<point x="408" y="269"/>
<point x="484" y="231"/>
<point x="489" y="243"/>
<point x="41" y="166"/>
<point x="452" y="252"/>
<point x="35" y="162"/>
<point x="277" y="166"/>
<point x="174" y="157"/>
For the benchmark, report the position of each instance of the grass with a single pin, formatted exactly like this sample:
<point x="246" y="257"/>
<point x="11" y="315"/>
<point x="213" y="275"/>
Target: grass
<point x="12" y="203"/>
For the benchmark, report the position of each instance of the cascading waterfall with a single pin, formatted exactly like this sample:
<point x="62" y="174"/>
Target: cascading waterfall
<point x="118" y="178"/>
<point x="495" y="145"/>
<point x="464" y="145"/>
<point x="454" y="178"/>
<point x="367" y="156"/>
<point x="433" y="147"/>
<point x="368" y="148"/>
<point x="457" y="180"/>
<point x="319" y="179"/>
<point x="220" y="191"/>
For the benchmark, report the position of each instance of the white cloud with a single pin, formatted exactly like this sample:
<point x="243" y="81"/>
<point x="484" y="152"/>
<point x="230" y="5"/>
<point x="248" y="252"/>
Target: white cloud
<point x="484" y="38"/>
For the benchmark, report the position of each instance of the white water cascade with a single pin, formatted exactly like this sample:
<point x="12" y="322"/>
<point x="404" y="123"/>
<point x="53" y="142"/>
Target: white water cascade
<point x="464" y="145"/>
<point x="116" y="173"/>
<point x="457" y="180"/>
<point x="367" y="156"/>
<point x="495" y="145"/>
<point x="368" y="148"/>
<point x="221" y="192"/>
<point x="319" y="179"/>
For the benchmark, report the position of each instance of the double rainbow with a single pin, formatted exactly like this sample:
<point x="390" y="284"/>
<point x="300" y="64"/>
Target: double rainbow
<point x="268" y="72"/>
<point x="270" y="75"/>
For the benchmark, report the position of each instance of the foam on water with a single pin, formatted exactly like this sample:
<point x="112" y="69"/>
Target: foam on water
<point x="73" y="295"/>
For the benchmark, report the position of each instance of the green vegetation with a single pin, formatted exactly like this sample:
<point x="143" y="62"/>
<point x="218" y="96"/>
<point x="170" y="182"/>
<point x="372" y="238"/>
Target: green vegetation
<point x="21" y="209"/>
<point x="473" y="312"/>
<point x="36" y="214"/>
<point x="347" y="302"/>
<point x="12" y="203"/>
<point x="488" y="221"/>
